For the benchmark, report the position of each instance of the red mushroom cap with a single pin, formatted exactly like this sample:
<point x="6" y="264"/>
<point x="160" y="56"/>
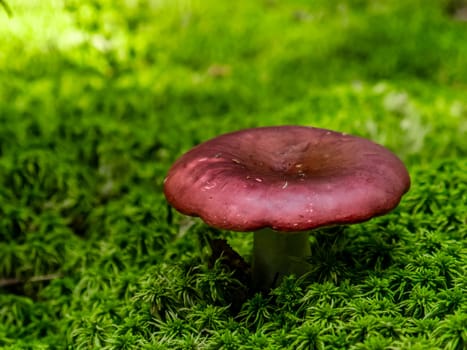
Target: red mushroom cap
<point x="288" y="178"/>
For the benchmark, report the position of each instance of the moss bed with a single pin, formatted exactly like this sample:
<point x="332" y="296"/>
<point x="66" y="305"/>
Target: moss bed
<point x="98" y="98"/>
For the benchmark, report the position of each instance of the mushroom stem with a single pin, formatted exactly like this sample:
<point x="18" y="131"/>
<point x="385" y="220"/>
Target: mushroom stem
<point x="276" y="255"/>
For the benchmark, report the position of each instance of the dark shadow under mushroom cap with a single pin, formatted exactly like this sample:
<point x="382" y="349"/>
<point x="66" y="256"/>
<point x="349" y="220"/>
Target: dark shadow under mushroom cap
<point x="289" y="178"/>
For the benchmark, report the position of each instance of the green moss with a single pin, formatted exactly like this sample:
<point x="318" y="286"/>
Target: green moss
<point x="99" y="98"/>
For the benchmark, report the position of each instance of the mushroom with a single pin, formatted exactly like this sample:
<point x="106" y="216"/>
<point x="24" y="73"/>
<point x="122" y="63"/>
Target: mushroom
<point x="281" y="182"/>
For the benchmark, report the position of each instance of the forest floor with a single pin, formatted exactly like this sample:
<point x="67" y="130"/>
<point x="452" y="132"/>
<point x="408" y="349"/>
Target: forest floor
<point x="99" y="98"/>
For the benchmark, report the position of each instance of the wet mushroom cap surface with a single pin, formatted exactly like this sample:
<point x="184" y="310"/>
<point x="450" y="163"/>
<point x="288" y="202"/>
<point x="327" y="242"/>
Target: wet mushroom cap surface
<point x="288" y="178"/>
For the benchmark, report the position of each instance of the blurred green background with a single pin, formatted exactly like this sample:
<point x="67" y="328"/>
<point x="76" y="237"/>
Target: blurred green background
<point x="98" y="98"/>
